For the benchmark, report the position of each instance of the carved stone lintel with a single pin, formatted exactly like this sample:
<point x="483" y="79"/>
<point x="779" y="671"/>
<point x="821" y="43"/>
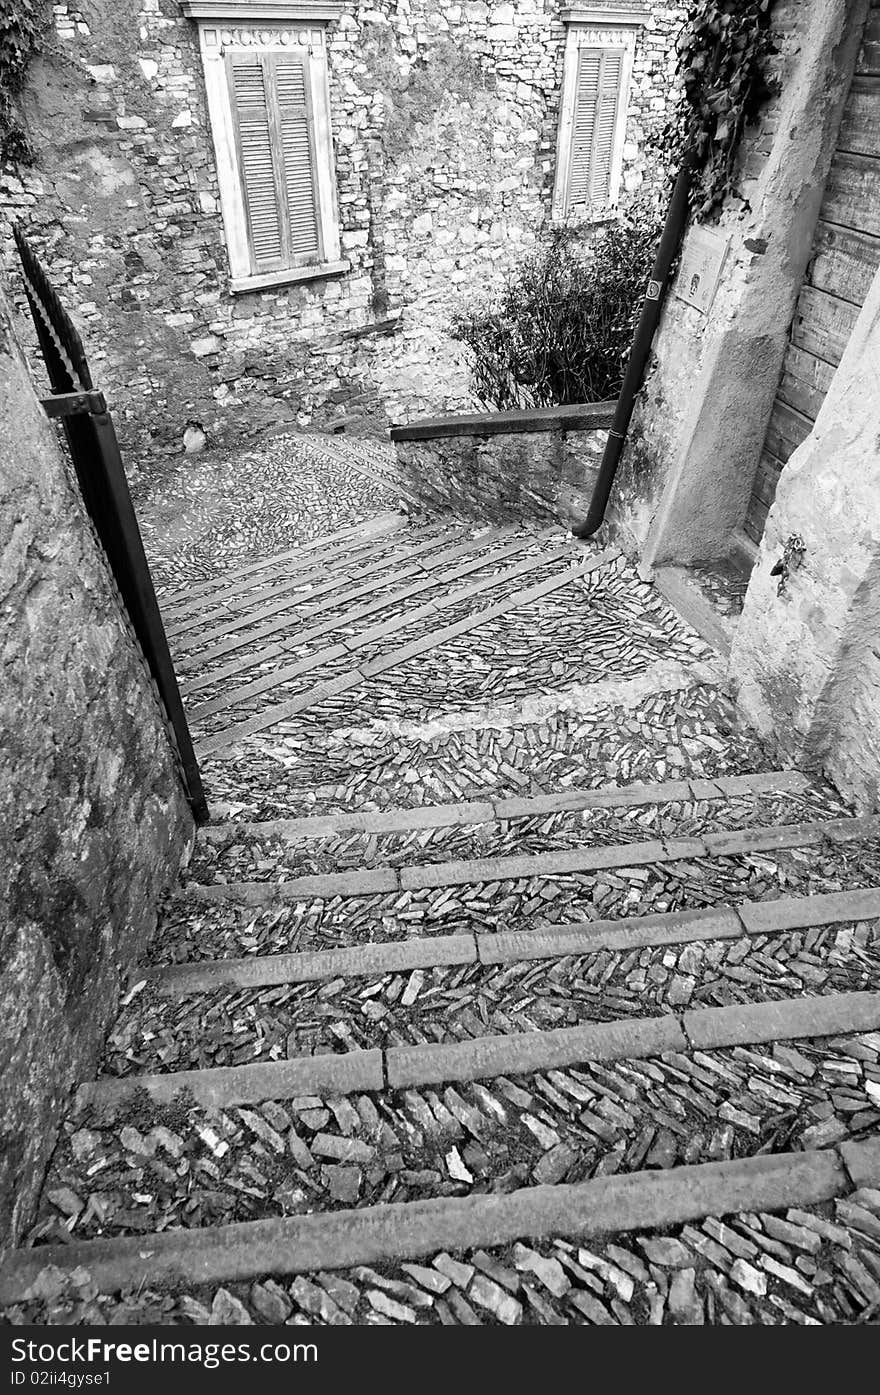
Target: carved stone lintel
<point x="605" y="16"/>
<point x="251" y="12"/>
<point x="269" y="37"/>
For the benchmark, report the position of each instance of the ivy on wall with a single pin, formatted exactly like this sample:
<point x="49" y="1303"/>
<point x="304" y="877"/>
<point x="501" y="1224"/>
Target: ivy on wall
<point x="23" y="23"/>
<point x="723" y="54"/>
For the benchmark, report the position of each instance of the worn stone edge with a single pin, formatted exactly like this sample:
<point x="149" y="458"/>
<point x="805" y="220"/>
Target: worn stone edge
<point x="637" y="1201"/>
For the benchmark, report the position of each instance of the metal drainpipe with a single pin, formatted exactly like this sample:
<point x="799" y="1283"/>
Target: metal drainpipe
<point x="638" y="354"/>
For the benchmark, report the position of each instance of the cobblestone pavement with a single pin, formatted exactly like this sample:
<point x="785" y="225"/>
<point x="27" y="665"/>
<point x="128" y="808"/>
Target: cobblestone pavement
<point x="594" y="685"/>
<point x="207" y="513"/>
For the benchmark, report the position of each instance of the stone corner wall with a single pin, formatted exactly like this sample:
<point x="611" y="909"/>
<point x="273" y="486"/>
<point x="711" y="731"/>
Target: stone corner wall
<point x="497" y="475"/>
<point x="700" y="421"/>
<point x="93" y="820"/>
<point x="806" y="664"/>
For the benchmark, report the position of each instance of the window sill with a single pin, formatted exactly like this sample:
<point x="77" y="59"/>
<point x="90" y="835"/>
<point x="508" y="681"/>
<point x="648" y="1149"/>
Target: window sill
<point x="585" y="220"/>
<point x="244" y="284"/>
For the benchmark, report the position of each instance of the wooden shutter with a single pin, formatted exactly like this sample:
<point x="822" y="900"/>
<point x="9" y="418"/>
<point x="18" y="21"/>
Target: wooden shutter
<point x="273" y="120"/>
<point x="597" y="97"/>
<point x="251" y="107"/>
<point x="297" y="155"/>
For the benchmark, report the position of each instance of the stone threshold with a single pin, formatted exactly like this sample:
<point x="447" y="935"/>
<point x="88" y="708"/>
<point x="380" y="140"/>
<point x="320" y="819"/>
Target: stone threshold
<point x="515" y="946"/>
<point x="520" y="1053"/>
<point x="637" y="1201"/>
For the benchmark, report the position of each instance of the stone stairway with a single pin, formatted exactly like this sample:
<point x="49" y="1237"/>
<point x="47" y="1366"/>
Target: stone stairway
<point x="511" y="982"/>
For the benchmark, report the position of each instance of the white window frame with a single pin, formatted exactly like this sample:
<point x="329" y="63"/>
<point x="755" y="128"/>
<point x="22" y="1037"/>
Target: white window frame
<point x="229" y="27"/>
<point x="597" y="28"/>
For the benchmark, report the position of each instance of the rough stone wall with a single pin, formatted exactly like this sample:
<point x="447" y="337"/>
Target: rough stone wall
<point x="444" y="123"/>
<point x="499" y="478"/>
<point x="697" y="432"/>
<point x="93" y="822"/>
<point x="806" y="664"/>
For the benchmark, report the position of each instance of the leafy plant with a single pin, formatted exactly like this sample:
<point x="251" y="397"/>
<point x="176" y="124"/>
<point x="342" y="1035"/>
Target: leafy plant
<point x="22" y="26"/>
<point x="722" y="63"/>
<point x="561" y="328"/>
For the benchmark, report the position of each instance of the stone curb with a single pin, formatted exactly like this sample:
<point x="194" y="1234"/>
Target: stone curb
<point x="400" y="820"/>
<point x="638" y="1201"/>
<point x="400" y="1067"/>
<point x="461" y="872"/>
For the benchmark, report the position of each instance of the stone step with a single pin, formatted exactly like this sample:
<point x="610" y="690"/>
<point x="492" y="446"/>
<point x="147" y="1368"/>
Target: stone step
<point x="480" y="1058"/>
<point x="670" y="721"/>
<point x="780" y="915"/>
<point x="504" y="992"/>
<point x="351" y="643"/>
<point x="811" y="1264"/>
<point x="270" y="716"/>
<point x="487" y="870"/>
<point x="311" y="1153"/>
<point x="616" y="1205"/>
<point x="464" y="812"/>
<point x="314" y="1152"/>
<point x="340" y="612"/>
<point x="267" y="859"/>
<point x="279" y="590"/>
<point x="188" y="598"/>
<point x="331" y="591"/>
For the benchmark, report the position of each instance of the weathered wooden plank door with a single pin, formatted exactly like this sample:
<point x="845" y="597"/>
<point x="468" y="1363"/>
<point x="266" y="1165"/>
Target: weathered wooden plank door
<point x="845" y="256"/>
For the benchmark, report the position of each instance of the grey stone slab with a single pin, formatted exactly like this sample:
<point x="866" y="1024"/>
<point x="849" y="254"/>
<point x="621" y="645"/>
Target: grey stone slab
<point x="227" y="1086"/>
<point x="852" y="830"/>
<point x="705" y="789"/>
<point x="497" y="869"/>
<point x="639" y="1201"/>
<point x="797" y="912"/>
<point x="787" y="1018"/>
<point x="260" y="971"/>
<point x="862" y="1161"/>
<point x="763" y="782"/>
<point x="522" y="1052"/>
<point x="567" y="800"/>
<point x="744" y="840"/>
<point x="326" y="884"/>
<point x="678" y="927"/>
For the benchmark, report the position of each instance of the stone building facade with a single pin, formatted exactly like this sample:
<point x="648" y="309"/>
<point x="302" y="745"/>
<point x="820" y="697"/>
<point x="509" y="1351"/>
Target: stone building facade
<point x="445" y="119"/>
<point x="756" y="439"/>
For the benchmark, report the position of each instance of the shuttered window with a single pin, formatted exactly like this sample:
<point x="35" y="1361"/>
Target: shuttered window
<point x="594" y="127"/>
<point x="270" y="99"/>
